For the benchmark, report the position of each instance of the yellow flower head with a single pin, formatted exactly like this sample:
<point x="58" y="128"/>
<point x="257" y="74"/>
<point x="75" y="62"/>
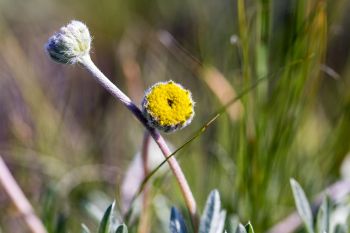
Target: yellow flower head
<point x="168" y="106"/>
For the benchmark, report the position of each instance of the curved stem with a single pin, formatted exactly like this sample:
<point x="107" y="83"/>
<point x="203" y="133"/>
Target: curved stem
<point x="19" y="199"/>
<point x="88" y="64"/>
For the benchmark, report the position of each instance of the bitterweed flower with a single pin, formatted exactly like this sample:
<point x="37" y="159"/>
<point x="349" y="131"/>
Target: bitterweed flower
<point x="70" y="43"/>
<point x="168" y="106"/>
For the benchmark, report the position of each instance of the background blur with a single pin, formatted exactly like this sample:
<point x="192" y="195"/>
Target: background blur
<point x="69" y="143"/>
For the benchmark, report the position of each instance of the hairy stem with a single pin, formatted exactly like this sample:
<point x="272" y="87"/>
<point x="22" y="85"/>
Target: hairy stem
<point x="19" y="199"/>
<point x="88" y="64"/>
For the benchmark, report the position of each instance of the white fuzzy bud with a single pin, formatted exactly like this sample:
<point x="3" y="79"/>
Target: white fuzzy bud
<point x="70" y="43"/>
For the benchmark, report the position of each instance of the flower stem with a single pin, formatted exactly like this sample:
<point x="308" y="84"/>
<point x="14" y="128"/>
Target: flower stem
<point x="19" y="199"/>
<point x="89" y="65"/>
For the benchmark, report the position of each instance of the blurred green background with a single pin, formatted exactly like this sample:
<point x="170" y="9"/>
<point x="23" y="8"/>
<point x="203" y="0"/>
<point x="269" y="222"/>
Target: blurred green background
<point x="69" y="143"/>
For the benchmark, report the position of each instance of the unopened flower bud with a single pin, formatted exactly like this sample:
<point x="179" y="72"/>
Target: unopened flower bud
<point x="70" y="43"/>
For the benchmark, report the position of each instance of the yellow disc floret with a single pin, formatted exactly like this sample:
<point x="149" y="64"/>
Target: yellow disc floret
<point x="168" y="106"/>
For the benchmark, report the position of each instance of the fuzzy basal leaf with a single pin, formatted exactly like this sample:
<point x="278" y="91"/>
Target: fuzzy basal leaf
<point x="249" y="228"/>
<point x="233" y="224"/>
<point x="303" y="205"/>
<point x="106" y="220"/>
<point x="177" y="223"/>
<point x="340" y="228"/>
<point x="212" y="219"/>
<point x="84" y="229"/>
<point x="122" y="229"/>
<point x="241" y="229"/>
<point x="323" y="216"/>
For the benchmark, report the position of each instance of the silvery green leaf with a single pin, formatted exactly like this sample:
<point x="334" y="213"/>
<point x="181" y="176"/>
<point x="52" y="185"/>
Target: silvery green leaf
<point x="105" y="224"/>
<point x="241" y="229"/>
<point x="323" y="216"/>
<point x="122" y="229"/>
<point x="84" y="229"/>
<point x="177" y="223"/>
<point x="249" y="228"/>
<point x="210" y="219"/>
<point x="221" y="222"/>
<point x="303" y="205"/>
<point x="233" y="224"/>
<point x="340" y="228"/>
